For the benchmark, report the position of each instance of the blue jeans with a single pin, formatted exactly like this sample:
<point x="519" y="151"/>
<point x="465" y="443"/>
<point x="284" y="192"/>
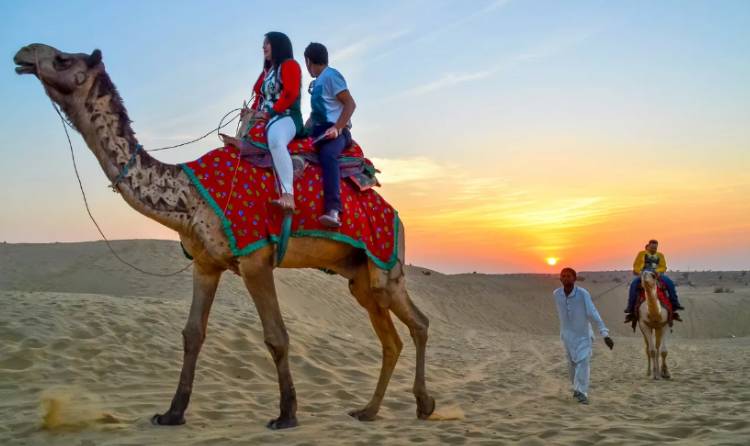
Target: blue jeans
<point x="329" y="151"/>
<point x="633" y="292"/>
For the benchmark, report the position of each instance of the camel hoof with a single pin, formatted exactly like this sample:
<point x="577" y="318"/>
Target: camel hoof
<point x="363" y="414"/>
<point x="282" y="423"/>
<point x="429" y="404"/>
<point x="666" y="375"/>
<point x="167" y="420"/>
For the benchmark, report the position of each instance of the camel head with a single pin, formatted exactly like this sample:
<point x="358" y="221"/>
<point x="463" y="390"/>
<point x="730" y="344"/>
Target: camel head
<point x="67" y="77"/>
<point x="648" y="279"/>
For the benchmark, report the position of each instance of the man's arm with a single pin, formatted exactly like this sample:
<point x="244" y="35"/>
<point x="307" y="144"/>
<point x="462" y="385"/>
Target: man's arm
<point x="347" y="101"/>
<point x="639" y="263"/>
<point x="593" y="316"/>
<point x="662" y="268"/>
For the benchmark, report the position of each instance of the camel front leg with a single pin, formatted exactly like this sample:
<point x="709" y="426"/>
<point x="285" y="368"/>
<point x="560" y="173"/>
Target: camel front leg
<point x="409" y="314"/>
<point x="647" y="339"/>
<point x="663" y="350"/>
<point x="260" y="284"/>
<point x="389" y="339"/>
<point x="205" y="281"/>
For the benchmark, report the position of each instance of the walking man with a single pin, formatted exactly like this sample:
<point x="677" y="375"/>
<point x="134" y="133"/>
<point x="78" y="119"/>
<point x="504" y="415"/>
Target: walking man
<point x="577" y="312"/>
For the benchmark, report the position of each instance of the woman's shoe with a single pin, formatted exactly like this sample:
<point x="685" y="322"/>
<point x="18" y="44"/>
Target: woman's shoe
<point x="285" y="202"/>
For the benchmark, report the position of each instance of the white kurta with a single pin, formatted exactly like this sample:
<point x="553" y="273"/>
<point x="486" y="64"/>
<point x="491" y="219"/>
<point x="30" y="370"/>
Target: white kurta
<point x="577" y="312"/>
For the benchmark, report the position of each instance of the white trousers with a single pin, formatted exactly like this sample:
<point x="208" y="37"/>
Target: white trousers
<point x="280" y="131"/>
<point x="579" y="373"/>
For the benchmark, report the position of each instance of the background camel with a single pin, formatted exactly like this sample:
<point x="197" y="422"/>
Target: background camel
<point x="79" y="84"/>
<point x="653" y="321"/>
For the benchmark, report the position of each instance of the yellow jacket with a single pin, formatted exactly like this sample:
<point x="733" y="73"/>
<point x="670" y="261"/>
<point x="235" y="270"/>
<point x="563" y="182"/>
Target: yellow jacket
<point x="644" y="260"/>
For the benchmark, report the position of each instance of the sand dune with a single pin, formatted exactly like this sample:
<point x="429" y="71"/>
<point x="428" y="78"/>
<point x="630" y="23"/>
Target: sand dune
<point x="90" y="350"/>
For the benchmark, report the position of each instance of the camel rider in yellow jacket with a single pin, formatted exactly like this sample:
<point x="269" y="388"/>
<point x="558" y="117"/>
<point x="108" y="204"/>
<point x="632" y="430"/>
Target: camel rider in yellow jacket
<point x="651" y="259"/>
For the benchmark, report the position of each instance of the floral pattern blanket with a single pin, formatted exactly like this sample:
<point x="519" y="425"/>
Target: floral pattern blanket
<point x="240" y="193"/>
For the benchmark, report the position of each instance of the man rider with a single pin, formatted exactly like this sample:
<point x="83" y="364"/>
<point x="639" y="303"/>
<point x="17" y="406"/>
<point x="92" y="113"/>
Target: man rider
<point x="651" y="260"/>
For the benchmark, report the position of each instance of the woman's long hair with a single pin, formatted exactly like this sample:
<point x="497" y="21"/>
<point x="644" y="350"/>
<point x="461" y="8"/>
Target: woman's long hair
<point x="281" y="49"/>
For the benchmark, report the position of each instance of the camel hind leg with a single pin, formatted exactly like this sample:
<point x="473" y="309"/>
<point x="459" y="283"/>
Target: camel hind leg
<point x="402" y="306"/>
<point x="383" y="325"/>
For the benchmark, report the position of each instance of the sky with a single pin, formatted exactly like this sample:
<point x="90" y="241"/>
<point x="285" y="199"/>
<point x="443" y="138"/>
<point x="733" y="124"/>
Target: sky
<point x="507" y="132"/>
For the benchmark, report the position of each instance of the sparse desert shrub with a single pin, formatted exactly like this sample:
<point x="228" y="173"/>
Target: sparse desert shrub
<point x="617" y="280"/>
<point x="719" y="289"/>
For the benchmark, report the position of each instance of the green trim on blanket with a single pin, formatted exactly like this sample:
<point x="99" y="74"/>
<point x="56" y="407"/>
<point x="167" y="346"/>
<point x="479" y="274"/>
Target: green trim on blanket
<point x="335" y="236"/>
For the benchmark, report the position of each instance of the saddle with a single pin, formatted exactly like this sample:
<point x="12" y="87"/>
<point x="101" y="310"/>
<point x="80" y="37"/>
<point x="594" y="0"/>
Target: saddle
<point x="352" y="162"/>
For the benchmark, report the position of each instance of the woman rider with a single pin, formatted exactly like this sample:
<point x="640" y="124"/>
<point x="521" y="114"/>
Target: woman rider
<point x="277" y="100"/>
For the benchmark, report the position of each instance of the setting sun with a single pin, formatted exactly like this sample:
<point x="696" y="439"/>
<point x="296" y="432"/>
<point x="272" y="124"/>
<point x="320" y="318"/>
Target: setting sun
<point x="551" y="261"/>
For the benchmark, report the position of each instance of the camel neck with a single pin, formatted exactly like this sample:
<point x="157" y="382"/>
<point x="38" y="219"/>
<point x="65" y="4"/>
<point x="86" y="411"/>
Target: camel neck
<point x="155" y="189"/>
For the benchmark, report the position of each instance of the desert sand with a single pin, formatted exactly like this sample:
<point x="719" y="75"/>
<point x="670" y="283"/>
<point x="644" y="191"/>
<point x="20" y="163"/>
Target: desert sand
<point x="90" y="350"/>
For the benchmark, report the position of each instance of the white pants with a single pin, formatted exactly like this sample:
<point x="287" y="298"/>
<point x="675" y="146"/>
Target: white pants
<point x="280" y="131"/>
<point x="579" y="373"/>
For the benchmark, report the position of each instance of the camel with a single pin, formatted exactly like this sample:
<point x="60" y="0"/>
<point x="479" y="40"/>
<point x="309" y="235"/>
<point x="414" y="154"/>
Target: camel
<point x="79" y="84"/>
<point x="653" y="321"/>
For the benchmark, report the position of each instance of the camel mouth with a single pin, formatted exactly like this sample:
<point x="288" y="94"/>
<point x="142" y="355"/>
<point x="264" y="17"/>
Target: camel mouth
<point x="25" y="68"/>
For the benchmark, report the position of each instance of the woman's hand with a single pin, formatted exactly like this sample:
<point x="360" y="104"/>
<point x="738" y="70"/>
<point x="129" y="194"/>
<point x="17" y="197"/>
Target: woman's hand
<point x="261" y="115"/>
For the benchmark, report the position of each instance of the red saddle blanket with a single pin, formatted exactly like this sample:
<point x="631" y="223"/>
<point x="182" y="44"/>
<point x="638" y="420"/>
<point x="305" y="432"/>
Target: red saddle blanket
<point x="240" y="194"/>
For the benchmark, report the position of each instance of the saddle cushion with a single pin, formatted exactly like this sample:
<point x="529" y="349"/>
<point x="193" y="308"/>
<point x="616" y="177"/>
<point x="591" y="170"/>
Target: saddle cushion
<point x="352" y="162"/>
<point x="256" y="136"/>
<point x="240" y="194"/>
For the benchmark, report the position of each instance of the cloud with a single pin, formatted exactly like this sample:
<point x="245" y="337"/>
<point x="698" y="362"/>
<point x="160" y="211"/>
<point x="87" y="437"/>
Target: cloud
<point x="404" y="170"/>
<point x="447" y="80"/>
<point x="440" y="30"/>
<point x="362" y="46"/>
<point x="540" y="51"/>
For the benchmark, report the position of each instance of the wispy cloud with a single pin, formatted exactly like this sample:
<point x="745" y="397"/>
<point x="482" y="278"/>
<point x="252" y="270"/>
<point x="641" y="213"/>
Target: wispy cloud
<point x="457" y="23"/>
<point x="545" y="49"/>
<point x="362" y="46"/>
<point x="448" y="80"/>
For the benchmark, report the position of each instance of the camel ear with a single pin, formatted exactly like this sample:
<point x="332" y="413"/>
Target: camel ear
<point x="94" y="59"/>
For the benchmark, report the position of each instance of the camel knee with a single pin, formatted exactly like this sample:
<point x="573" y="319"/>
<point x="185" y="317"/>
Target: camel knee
<point x="392" y="350"/>
<point x="420" y="327"/>
<point x="277" y="344"/>
<point x="192" y="339"/>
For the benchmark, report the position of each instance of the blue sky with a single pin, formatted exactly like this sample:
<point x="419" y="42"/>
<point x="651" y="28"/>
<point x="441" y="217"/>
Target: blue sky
<point x="500" y="97"/>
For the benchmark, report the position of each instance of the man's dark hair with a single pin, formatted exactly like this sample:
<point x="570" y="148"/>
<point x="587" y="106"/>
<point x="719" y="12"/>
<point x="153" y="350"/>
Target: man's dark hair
<point x="317" y="53"/>
<point x="281" y="49"/>
<point x="653" y="241"/>
<point x="569" y="270"/>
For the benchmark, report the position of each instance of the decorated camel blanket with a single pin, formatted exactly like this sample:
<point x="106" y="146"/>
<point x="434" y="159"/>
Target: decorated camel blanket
<point x="240" y="193"/>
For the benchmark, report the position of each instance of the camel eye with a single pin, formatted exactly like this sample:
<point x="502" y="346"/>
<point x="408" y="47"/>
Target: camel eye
<point x="62" y="63"/>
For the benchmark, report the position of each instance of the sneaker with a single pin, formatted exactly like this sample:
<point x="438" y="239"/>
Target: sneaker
<point x="678" y="307"/>
<point x="676" y="316"/>
<point x="285" y="202"/>
<point x="330" y="219"/>
<point x="582" y="398"/>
